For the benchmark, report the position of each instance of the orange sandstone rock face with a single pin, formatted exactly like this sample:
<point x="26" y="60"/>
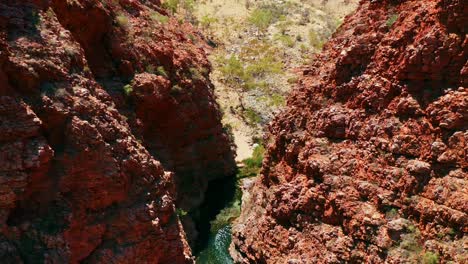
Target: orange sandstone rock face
<point x="368" y="163"/>
<point x="107" y="122"/>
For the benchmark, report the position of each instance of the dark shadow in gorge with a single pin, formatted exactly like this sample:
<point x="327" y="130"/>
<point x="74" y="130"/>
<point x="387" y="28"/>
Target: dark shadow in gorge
<point x="219" y="194"/>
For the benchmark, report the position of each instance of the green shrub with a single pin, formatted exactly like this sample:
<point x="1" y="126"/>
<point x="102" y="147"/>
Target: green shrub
<point x="128" y="89"/>
<point x="122" y="20"/>
<point x="150" y="69"/>
<point x="293" y="80"/>
<point x="233" y="70"/>
<point x="252" y="165"/>
<point x="285" y="39"/>
<point x="195" y="73"/>
<point x="315" y="40"/>
<point x="157" y="17"/>
<point x="430" y="258"/>
<point x="171" y="5"/>
<point x="267" y="64"/>
<point x="391" y="20"/>
<point x="261" y="18"/>
<point x="252" y="116"/>
<point x="161" y="71"/>
<point x="207" y="20"/>
<point x="181" y="213"/>
<point x="277" y="100"/>
<point x="392" y="213"/>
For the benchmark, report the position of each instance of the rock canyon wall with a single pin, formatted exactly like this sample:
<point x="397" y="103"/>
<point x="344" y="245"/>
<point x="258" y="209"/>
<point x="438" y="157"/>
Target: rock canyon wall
<point x="108" y="123"/>
<point x="368" y="163"/>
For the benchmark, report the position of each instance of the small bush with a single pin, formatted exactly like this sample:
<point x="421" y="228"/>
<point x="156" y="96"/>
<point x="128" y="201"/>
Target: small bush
<point x="293" y="80"/>
<point x="315" y="40"/>
<point x="128" y="89"/>
<point x="161" y="71"/>
<point x="171" y="5"/>
<point x="252" y="116"/>
<point x="195" y="73"/>
<point x="233" y="70"/>
<point x="391" y="20"/>
<point x="430" y="258"/>
<point x="150" y="69"/>
<point x="392" y="213"/>
<point x="261" y="18"/>
<point x="181" y="213"/>
<point x="252" y="165"/>
<point x="286" y="40"/>
<point x="207" y="20"/>
<point x="155" y="16"/>
<point x="277" y="100"/>
<point x="267" y="64"/>
<point x="122" y="20"/>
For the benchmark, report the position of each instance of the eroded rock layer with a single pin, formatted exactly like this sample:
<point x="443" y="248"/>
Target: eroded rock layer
<point x="368" y="163"/>
<point x="99" y="101"/>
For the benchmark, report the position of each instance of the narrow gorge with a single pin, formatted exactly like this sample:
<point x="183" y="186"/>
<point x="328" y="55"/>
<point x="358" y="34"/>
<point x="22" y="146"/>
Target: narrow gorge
<point x="219" y="131"/>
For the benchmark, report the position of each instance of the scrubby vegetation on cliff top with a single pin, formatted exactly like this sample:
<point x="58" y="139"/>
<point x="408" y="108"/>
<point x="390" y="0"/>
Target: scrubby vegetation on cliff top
<point x="256" y="44"/>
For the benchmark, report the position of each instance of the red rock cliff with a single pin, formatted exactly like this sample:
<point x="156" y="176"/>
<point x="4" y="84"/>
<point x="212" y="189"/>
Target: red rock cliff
<point x="368" y="163"/>
<point x="99" y="101"/>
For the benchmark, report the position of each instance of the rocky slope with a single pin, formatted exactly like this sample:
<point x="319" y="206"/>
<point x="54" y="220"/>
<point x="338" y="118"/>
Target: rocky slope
<point x="107" y="123"/>
<point x="368" y="163"/>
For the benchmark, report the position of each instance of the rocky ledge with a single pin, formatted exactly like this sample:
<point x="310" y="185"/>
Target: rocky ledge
<point x="368" y="163"/>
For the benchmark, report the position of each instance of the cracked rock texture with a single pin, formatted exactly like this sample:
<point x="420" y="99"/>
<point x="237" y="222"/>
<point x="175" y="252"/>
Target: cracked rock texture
<point x="107" y="123"/>
<point x="368" y="163"/>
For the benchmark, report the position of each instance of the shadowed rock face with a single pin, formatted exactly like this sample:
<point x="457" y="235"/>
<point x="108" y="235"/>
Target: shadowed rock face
<point x="99" y="101"/>
<point x="368" y="163"/>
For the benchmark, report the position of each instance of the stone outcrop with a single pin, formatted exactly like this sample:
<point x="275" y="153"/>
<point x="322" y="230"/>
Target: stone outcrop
<point x="107" y="124"/>
<point x="368" y="163"/>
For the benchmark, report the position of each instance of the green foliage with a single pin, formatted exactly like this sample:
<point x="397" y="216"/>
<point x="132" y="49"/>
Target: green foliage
<point x="315" y="40"/>
<point x="195" y="73"/>
<point x="233" y="69"/>
<point x="261" y="18"/>
<point x="181" y="213"/>
<point x="171" y="5"/>
<point x="391" y="20"/>
<point x="392" y="213"/>
<point x="188" y="5"/>
<point x="227" y="215"/>
<point x="176" y="90"/>
<point x="161" y="71"/>
<point x="430" y="258"/>
<point x="157" y="17"/>
<point x="265" y="65"/>
<point x="50" y="13"/>
<point x="122" y="20"/>
<point x="253" y="118"/>
<point x="127" y="89"/>
<point x="150" y="69"/>
<point x="285" y="39"/>
<point x="293" y="80"/>
<point x="410" y="241"/>
<point x="207" y="20"/>
<point x="253" y="164"/>
<point x="277" y="100"/>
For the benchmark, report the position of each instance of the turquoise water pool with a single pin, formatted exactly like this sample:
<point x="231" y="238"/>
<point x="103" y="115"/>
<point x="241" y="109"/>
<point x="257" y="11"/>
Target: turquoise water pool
<point x="217" y="251"/>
